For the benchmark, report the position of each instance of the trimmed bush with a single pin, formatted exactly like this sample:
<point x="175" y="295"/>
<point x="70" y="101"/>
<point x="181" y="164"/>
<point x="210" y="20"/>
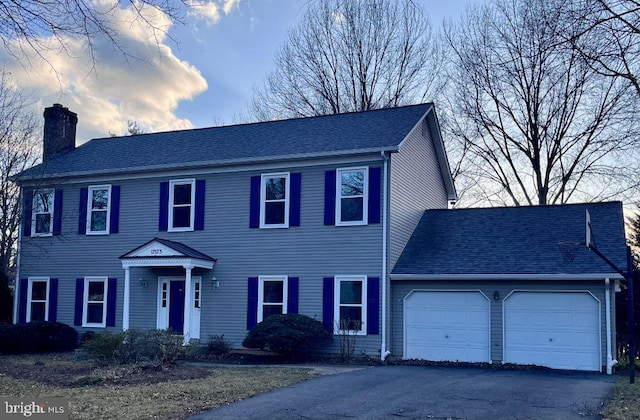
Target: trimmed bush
<point x="289" y="334"/>
<point x="158" y="347"/>
<point x="37" y="337"/>
<point x="218" y="345"/>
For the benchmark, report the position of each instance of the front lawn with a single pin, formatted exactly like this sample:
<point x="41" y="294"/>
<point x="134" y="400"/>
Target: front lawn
<point x="123" y="392"/>
<point x="625" y="403"/>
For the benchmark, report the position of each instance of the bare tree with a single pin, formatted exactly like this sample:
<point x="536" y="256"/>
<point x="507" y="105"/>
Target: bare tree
<point x="20" y="148"/>
<point x="351" y="56"/>
<point x="29" y="25"/>
<point x="536" y="123"/>
<point x="610" y="36"/>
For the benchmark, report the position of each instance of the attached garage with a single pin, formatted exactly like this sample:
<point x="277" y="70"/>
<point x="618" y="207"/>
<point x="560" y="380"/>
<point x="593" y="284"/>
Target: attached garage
<point x="447" y="326"/>
<point x="560" y="330"/>
<point x="510" y="285"/>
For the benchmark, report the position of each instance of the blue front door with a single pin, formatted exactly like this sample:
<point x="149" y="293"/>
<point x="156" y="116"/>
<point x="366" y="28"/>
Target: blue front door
<point x="176" y="306"/>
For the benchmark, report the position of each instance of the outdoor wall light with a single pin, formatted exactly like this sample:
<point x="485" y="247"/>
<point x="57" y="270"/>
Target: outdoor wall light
<point x="216" y="282"/>
<point x="143" y="284"/>
<point x="496" y="295"/>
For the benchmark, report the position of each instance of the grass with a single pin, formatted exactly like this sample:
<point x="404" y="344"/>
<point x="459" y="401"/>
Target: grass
<point x="625" y="403"/>
<point x="95" y="392"/>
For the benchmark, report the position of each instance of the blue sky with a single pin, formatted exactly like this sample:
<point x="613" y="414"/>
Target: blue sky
<point x="201" y="75"/>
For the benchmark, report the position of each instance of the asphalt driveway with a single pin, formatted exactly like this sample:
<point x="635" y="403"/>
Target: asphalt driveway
<point x="422" y="392"/>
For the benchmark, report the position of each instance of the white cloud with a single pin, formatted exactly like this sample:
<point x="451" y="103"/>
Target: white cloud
<point x="147" y="87"/>
<point x="209" y="10"/>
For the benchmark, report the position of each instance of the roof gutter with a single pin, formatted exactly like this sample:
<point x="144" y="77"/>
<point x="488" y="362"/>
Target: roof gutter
<point x="503" y="276"/>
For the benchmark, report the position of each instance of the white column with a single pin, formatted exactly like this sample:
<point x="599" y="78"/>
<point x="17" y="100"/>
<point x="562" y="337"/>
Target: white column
<point x="125" y="304"/>
<point x="188" y="303"/>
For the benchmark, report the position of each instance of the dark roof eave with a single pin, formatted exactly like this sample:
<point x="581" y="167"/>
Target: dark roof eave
<point x="193" y="165"/>
<point x="506" y="276"/>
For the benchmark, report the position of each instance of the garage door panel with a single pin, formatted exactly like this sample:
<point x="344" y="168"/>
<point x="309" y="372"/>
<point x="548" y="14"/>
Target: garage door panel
<point x="555" y="329"/>
<point x="447" y="326"/>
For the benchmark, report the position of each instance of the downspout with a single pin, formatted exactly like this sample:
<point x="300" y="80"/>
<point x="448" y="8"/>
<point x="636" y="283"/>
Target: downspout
<point x="385" y="215"/>
<point x="611" y="362"/>
<point x="16" y="286"/>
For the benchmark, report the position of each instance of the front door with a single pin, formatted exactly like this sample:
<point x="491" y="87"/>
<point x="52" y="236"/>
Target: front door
<point x="171" y="305"/>
<point x="176" y="306"/>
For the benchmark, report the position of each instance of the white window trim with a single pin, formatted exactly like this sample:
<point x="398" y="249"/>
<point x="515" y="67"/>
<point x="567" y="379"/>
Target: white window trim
<point x="365" y="197"/>
<point x="285" y="293"/>
<point x="34" y="213"/>
<point x="30" y="300"/>
<point x="90" y="209"/>
<point x="263" y="200"/>
<point x="173" y="183"/>
<point x="85" y="302"/>
<point x="336" y="304"/>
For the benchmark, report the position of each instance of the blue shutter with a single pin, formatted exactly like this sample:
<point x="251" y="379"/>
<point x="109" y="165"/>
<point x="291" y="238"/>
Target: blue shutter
<point x="254" y="205"/>
<point x="82" y="211"/>
<point x="111" y="302"/>
<point x="373" y="305"/>
<point x="330" y="197"/>
<point x="292" y="295"/>
<point x="27" y="212"/>
<point x="22" y="313"/>
<point x="374" y="195"/>
<point x="198" y="223"/>
<point x="327" y="303"/>
<point x="114" y="222"/>
<point x="57" y="212"/>
<point x="163" y="213"/>
<point x="252" y="302"/>
<point x="53" y="300"/>
<point x="294" y="203"/>
<point x="77" y="316"/>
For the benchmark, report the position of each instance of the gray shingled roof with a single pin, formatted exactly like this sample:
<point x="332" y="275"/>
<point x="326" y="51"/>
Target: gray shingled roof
<point x="303" y="137"/>
<point x="513" y="240"/>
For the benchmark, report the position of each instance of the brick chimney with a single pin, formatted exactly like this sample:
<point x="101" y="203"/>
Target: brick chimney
<point x="59" y="131"/>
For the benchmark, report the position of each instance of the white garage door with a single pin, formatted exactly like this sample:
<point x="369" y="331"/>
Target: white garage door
<point x="554" y="329"/>
<point x="451" y="326"/>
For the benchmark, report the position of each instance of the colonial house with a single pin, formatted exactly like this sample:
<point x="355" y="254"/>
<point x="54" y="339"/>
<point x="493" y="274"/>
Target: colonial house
<point x="343" y="218"/>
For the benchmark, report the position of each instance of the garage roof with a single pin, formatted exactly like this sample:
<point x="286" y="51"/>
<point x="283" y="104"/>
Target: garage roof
<point x="514" y="240"/>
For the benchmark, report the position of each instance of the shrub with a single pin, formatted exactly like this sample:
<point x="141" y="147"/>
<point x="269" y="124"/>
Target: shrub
<point x="103" y="347"/>
<point x="289" y="334"/>
<point x="158" y="347"/>
<point x="218" y="345"/>
<point x="37" y="337"/>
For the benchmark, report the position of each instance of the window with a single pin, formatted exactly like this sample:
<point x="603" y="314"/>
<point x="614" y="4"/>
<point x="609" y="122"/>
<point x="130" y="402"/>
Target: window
<point x="272" y="296"/>
<point x="38" y="304"/>
<point x="196" y="294"/>
<point x="95" y="308"/>
<point x="274" y="201"/>
<point x="350" y="309"/>
<point x="181" y="205"/>
<point x="98" y="209"/>
<point x="351" y="199"/>
<point x="164" y="294"/>
<point x="42" y="223"/>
